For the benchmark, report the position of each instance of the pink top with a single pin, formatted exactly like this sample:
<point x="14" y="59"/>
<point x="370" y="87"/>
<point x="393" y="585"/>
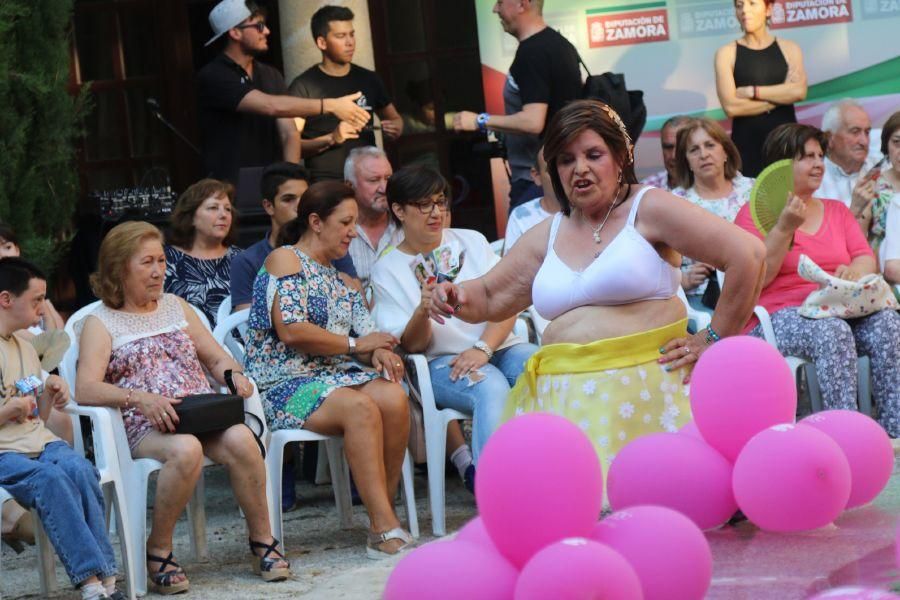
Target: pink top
<point x="837" y="242"/>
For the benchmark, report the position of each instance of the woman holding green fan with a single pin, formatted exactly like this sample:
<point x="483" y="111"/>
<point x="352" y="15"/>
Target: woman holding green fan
<point x="826" y="232"/>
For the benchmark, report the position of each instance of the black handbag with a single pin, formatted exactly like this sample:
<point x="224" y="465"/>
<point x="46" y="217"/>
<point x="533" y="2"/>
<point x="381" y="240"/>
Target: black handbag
<point x="208" y="413"/>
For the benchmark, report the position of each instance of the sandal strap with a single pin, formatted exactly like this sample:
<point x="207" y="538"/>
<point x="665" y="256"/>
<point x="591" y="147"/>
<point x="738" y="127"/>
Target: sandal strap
<point x="163" y="562"/>
<point x="269" y="549"/>
<point x="397" y="533"/>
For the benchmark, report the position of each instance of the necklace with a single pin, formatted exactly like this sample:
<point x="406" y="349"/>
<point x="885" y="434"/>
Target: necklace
<point x="596" y="230"/>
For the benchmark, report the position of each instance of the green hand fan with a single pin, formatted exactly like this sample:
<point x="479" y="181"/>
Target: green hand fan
<point x="770" y="194"/>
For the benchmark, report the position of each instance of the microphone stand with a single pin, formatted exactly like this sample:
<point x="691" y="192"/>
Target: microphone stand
<point x="155" y="111"/>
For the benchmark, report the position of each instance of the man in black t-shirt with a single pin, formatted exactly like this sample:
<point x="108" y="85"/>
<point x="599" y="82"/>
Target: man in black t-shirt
<point x="543" y="77"/>
<point x="325" y="144"/>
<point x="245" y="112"/>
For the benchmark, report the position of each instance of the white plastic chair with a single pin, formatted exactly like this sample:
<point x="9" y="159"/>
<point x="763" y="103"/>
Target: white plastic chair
<point x="226" y="325"/>
<point x="436" y="421"/>
<point x="134" y="473"/>
<point x="224" y="309"/>
<point x="46" y="562"/>
<point x="340" y="473"/>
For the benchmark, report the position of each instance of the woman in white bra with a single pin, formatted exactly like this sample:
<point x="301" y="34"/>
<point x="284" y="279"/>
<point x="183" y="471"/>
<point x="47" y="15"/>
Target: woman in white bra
<point x="605" y="272"/>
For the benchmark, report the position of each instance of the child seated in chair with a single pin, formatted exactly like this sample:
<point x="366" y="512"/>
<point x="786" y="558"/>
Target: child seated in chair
<point x="38" y="469"/>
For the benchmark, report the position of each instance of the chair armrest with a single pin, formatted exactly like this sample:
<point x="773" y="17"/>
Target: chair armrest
<point x="420" y="383"/>
<point x="102" y="426"/>
<point x="765" y="321"/>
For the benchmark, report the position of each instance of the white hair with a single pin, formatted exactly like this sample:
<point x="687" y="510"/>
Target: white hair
<point x="356" y="155"/>
<point x="834" y="116"/>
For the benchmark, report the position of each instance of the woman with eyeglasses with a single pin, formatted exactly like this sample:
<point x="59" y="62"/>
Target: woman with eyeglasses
<point x="472" y="365"/>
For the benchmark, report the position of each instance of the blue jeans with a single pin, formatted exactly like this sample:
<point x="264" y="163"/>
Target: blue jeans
<point x="65" y="489"/>
<point x="484" y="400"/>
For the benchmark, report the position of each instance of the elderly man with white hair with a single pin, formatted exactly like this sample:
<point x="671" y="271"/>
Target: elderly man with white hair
<point x="849" y="156"/>
<point x="367" y="169"/>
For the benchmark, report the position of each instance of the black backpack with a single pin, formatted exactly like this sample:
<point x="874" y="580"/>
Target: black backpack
<point x="610" y="88"/>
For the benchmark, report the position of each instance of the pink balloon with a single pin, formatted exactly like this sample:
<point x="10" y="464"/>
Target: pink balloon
<point x="867" y="447"/>
<point x="667" y="551"/>
<point x="675" y="471"/>
<point x="739" y="387"/>
<point x="690" y="429"/>
<point x="449" y="571"/>
<point x="855" y="593"/>
<point x="791" y="478"/>
<point x="475" y="532"/>
<point x="539" y="481"/>
<point x="575" y="569"/>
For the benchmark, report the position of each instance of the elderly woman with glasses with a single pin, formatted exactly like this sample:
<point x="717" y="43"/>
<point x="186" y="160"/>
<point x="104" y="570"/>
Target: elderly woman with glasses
<point x="472" y="365"/>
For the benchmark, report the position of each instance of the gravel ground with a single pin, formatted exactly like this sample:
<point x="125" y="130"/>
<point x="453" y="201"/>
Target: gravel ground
<point x="328" y="562"/>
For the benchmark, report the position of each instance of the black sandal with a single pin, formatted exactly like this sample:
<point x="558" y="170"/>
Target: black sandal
<point x="265" y="565"/>
<point x="161" y="581"/>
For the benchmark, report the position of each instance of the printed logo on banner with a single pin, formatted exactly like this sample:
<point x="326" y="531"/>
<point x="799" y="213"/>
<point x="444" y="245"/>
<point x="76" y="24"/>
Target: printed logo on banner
<point x="623" y="25"/>
<point x="803" y="13"/>
<point x="880" y="8"/>
<point x="713" y="18"/>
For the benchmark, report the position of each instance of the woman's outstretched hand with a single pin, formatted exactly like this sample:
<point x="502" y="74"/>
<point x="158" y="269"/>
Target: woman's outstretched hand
<point x="447" y="299"/>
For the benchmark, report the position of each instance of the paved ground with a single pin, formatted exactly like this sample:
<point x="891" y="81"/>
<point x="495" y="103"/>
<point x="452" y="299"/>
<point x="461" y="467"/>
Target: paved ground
<point x="331" y="564"/>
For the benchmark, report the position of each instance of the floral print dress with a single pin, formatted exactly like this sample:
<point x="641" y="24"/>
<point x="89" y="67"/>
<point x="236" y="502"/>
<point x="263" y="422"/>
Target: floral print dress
<point x="153" y="353"/>
<point x="294" y="384"/>
<point x="204" y="282"/>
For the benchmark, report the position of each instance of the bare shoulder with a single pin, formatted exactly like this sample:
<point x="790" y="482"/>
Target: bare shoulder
<point x="725" y="54"/>
<point x="281" y="262"/>
<point x="789" y="46"/>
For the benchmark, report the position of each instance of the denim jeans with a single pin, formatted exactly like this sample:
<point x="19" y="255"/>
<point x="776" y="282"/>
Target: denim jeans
<point x="484" y="400"/>
<point x="65" y="489"/>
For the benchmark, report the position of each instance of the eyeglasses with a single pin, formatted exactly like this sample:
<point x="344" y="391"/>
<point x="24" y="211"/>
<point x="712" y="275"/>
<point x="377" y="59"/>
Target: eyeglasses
<point x="259" y="26"/>
<point x="428" y="206"/>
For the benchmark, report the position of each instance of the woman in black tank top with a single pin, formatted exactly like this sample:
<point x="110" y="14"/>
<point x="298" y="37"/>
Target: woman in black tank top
<point x="758" y="79"/>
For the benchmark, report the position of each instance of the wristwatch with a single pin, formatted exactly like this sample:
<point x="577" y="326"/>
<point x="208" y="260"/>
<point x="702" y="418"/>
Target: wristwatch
<point x="351" y="343"/>
<point x="482" y="345"/>
<point x="481" y="121"/>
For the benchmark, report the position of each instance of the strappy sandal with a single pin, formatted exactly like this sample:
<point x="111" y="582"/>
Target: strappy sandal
<point x="265" y="565"/>
<point x="377" y="539"/>
<point x="161" y="581"/>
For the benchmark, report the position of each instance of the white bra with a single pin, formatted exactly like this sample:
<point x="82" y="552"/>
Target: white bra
<point x="628" y="270"/>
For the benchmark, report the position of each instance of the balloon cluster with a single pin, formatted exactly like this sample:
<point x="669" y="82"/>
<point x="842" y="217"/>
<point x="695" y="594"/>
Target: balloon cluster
<point x="539" y="492"/>
<point x="743" y="450"/>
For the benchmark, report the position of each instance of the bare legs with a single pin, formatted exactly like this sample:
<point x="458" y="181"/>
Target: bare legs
<point x="374" y="421"/>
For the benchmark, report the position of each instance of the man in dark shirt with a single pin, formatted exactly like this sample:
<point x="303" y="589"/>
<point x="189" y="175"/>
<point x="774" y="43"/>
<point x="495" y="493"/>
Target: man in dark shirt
<point x="543" y="77"/>
<point x="281" y="186"/>
<point x="325" y="145"/>
<point x="246" y="115"/>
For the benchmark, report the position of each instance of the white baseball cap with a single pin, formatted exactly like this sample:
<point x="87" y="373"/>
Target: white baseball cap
<point x="225" y="15"/>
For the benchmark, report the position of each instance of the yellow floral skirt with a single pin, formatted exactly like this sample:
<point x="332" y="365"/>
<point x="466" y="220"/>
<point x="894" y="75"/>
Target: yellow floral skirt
<point x="613" y="389"/>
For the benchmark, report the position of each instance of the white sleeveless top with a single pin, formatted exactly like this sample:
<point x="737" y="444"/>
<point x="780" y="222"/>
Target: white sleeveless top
<point x="125" y="327"/>
<point x="628" y="270"/>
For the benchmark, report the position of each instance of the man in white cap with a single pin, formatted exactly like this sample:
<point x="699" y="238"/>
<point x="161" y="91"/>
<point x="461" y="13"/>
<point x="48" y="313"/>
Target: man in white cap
<point x="246" y="113"/>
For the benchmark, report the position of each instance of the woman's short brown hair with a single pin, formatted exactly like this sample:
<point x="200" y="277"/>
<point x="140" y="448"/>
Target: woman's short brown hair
<point x="117" y="248"/>
<point x="890" y="126"/>
<point x="789" y="140"/>
<point x="182" y="232"/>
<point x="683" y="174"/>
<point x="572" y="120"/>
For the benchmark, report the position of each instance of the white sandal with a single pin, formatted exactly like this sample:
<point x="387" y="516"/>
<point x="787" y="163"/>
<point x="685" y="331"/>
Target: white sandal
<point x="376" y="539"/>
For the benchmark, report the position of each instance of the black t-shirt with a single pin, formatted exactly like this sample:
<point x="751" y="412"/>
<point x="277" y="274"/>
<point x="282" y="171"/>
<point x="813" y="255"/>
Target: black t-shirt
<point x="545" y="70"/>
<point x="315" y="83"/>
<point x="233" y="140"/>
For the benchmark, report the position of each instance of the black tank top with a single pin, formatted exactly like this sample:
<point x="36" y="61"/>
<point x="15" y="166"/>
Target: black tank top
<point x="759" y="67"/>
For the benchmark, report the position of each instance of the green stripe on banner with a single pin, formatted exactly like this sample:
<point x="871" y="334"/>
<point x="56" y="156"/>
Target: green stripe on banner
<point x="626" y="8"/>
<point x="878" y="80"/>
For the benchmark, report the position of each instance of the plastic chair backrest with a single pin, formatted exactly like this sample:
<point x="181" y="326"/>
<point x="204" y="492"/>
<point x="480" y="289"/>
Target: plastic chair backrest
<point x="226" y="325"/>
<point x="224" y="309"/>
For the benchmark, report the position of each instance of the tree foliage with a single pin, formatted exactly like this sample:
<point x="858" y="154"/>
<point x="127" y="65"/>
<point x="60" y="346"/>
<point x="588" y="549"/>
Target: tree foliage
<point x="40" y="122"/>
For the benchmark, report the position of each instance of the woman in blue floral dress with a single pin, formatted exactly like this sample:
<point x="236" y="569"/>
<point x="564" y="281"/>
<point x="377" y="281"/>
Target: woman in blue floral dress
<point x="319" y="364"/>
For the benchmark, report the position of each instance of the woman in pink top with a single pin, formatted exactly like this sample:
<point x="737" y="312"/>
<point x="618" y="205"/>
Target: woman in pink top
<point x="826" y="231"/>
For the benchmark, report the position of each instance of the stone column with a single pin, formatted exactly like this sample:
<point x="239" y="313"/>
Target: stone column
<point x="297" y="46"/>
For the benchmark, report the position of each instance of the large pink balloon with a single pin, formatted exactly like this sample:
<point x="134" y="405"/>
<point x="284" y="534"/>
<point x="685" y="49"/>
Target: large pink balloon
<point x="539" y="481"/>
<point x="855" y="593"/>
<point x="673" y="470"/>
<point x="449" y="571"/>
<point x="690" y="429"/>
<point x="476" y="533"/>
<point x="739" y="387"/>
<point x="576" y="569"/>
<point x="667" y="551"/>
<point x="791" y="478"/>
<point x="867" y="447"/>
